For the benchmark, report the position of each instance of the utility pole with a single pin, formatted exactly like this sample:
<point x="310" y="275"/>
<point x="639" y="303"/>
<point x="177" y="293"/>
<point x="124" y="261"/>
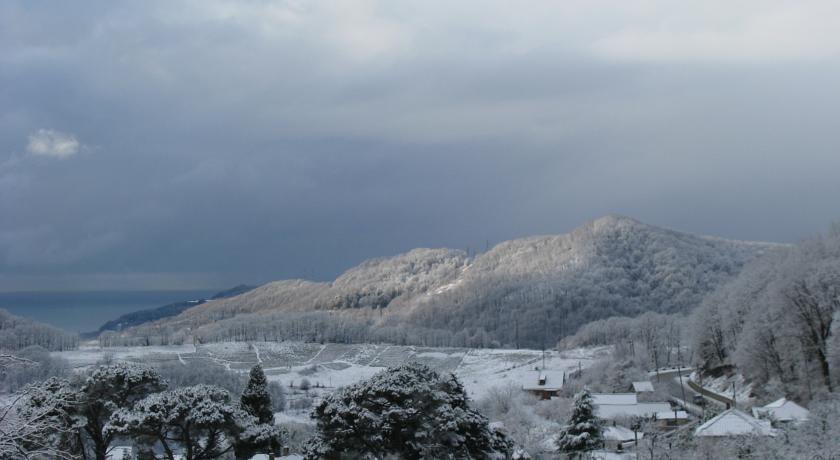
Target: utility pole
<point x="682" y="387"/>
<point x="516" y="331"/>
<point x="733" y="395"/>
<point x="700" y="374"/>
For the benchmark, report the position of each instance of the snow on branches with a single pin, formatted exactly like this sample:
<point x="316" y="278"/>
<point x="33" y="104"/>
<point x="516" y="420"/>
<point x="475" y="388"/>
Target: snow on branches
<point x="409" y="411"/>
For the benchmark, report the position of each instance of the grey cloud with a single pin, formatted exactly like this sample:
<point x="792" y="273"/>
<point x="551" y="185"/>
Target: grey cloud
<point x="248" y="141"/>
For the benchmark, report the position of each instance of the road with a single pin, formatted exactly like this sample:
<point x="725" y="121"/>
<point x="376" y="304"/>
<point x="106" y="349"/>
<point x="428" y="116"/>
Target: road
<point x="668" y="382"/>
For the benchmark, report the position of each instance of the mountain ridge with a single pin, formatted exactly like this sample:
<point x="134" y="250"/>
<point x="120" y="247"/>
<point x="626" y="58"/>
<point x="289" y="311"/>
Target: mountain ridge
<point x="523" y="291"/>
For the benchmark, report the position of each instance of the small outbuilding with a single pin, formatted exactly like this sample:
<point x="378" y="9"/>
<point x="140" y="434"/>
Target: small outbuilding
<point x="782" y="410"/>
<point x="615" y="436"/>
<point x="545" y="385"/>
<point x="120" y="453"/>
<point x="671" y="418"/>
<point x="643" y="387"/>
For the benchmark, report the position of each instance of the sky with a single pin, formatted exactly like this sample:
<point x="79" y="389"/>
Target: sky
<point x="190" y="144"/>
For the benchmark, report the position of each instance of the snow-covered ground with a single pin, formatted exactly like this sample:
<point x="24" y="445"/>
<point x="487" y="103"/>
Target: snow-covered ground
<point x="334" y="365"/>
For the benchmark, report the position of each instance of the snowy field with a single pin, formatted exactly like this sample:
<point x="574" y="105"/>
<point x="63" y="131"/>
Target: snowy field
<point x="334" y="365"/>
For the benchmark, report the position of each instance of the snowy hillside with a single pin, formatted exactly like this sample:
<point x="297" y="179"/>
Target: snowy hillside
<point x="524" y="292"/>
<point x="334" y="365"/>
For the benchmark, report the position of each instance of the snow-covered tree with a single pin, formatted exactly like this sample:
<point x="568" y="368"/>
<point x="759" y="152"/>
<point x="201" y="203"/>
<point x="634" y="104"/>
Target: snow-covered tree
<point x="200" y="420"/>
<point x="583" y="432"/>
<point x="107" y="389"/>
<point x="408" y="411"/>
<point x="256" y="401"/>
<point x="38" y="422"/>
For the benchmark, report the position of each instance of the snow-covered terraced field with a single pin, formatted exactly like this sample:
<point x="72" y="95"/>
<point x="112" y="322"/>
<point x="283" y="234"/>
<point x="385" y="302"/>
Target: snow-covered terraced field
<point x="334" y="365"/>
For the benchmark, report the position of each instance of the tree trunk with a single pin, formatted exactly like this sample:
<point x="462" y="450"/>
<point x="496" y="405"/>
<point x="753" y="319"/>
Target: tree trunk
<point x="824" y="370"/>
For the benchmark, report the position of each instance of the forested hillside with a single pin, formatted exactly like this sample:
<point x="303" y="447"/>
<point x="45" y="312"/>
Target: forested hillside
<point x="527" y="292"/>
<point x="17" y="333"/>
<point x="776" y="321"/>
<point x="137" y="318"/>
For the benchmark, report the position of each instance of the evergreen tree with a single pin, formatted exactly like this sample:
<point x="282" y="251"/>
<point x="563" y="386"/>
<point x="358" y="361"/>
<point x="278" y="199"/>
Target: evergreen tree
<point x="106" y="389"/>
<point x="407" y="412"/>
<point x="256" y="401"/>
<point x="255" y="398"/>
<point x="200" y="419"/>
<point x="583" y="432"/>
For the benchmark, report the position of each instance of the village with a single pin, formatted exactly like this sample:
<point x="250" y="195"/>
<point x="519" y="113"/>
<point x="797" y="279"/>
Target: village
<point x="671" y="403"/>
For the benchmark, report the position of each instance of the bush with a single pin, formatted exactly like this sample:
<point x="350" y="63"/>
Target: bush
<point x="305" y="385"/>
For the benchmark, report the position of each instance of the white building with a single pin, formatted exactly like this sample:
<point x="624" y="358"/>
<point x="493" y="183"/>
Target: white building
<point x="782" y="410"/>
<point x="612" y="406"/>
<point x="733" y="422"/>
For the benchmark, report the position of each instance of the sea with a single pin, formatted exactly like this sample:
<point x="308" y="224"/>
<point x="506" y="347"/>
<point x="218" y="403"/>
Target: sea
<point x="85" y="311"/>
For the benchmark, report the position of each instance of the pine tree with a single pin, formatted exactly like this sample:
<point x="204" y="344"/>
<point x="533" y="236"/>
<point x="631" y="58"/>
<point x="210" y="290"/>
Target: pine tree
<point x="255" y="398"/>
<point x="408" y="412"/>
<point x="106" y="389"/>
<point x="583" y="432"/>
<point x="199" y="419"/>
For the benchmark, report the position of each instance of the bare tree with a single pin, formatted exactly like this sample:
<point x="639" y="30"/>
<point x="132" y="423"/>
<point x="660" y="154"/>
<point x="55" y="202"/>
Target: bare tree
<point x="814" y="300"/>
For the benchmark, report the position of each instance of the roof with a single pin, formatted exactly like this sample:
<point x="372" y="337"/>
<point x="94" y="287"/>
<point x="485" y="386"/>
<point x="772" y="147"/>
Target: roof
<point x="614" y="411"/>
<point x="600" y="399"/>
<point x="783" y="410"/>
<point x="733" y="422"/>
<point x="620" y="433"/>
<point x="641" y="387"/>
<point x="119" y="453"/>
<point x="553" y="381"/>
<point x="671" y="415"/>
<point x="540" y="388"/>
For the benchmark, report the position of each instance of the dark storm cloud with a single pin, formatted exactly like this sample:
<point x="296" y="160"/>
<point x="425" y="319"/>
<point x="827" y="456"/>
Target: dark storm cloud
<point x="167" y="144"/>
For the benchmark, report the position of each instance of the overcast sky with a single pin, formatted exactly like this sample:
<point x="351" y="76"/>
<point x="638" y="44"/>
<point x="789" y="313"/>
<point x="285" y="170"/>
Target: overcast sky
<point x="166" y="144"/>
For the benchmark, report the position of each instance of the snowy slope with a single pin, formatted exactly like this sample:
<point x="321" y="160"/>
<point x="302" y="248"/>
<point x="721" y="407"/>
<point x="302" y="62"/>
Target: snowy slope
<point x="335" y="365"/>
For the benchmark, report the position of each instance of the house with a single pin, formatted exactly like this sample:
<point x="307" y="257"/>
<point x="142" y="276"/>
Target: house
<point x="782" y="410"/>
<point x="612" y="406"/>
<point x="733" y="422"/>
<point x="671" y="418"/>
<point x="643" y="387"/>
<point x="615" y="436"/>
<point x="120" y="453"/>
<point x="545" y="384"/>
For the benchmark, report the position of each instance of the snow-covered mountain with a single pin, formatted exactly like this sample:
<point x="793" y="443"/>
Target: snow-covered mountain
<point x="522" y="292"/>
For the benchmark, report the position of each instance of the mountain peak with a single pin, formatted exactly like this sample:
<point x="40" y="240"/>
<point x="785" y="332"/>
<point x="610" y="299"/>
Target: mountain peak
<point x="616" y="220"/>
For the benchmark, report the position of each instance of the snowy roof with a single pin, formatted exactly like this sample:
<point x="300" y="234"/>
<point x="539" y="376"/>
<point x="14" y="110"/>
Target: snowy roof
<point x="783" y="410"/>
<point x="119" y="453"/>
<point x="733" y="422"/>
<point x="600" y="399"/>
<point x="641" y="387"/>
<point x="286" y="457"/>
<point x="614" y="411"/>
<point x="553" y="381"/>
<point x="620" y="433"/>
<point x="605" y="455"/>
<point x="671" y="415"/>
